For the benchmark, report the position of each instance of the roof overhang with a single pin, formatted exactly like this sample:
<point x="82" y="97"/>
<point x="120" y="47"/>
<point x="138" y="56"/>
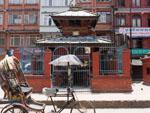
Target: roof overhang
<point x="73" y="41"/>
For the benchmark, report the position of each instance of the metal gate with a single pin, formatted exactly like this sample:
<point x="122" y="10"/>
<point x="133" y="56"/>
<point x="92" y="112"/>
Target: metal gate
<point x="80" y="75"/>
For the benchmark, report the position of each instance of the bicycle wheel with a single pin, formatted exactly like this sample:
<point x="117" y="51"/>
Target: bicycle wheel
<point x="83" y="107"/>
<point x="15" y="109"/>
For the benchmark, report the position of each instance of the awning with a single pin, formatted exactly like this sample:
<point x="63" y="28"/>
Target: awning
<point x="136" y="62"/>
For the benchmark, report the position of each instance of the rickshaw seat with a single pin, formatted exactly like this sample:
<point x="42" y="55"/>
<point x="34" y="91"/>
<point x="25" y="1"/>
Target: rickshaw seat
<point x="26" y="90"/>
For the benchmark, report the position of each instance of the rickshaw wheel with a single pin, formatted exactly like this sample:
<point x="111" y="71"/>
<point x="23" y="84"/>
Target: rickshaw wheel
<point x="15" y="109"/>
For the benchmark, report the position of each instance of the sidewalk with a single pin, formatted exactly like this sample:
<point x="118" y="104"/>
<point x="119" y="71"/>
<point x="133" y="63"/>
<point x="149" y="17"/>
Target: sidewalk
<point x="138" y="98"/>
<point x="140" y="92"/>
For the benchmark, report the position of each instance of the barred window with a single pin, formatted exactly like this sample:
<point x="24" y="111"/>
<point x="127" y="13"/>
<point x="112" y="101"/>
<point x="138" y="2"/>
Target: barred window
<point x="16" y="40"/>
<point x="104" y="17"/>
<point x="120" y="20"/>
<point x="111" y="61"/>
<point x="26" y="41"/>
<point x="32" y="60"/>
<point x="15" y="19"/>
<point x="31" y="18"/>
<point x="136" y="21"/>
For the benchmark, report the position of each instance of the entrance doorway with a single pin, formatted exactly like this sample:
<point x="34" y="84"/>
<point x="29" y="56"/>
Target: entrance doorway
<point x="137" y="73"/>
<point x="80" y="74"/>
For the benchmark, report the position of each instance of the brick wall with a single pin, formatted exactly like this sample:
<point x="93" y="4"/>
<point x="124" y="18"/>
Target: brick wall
<point x="111" y="83"/>
<point x="38" y="82"/>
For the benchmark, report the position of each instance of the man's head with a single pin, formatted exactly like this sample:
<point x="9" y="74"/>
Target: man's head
<point x="10" y="52"/>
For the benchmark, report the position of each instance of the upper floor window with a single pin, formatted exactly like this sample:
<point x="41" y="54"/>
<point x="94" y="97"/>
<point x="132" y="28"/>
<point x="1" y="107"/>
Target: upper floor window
<point x="15" y="19"/>
<point x="120" y="20"/>
<point x="2" y="41"/>
<point x="136" y="21"/>
<point x="105" y="17"/>
<point x="32" y="1"/>
<point x="15" y="1"/>
<point x="1" y="19"/>
<point x="16" y="40"/>
<point x="1" y="2"/>
<point x="121" y="3"/>
<point x="55" y="3"/>
<point x="136" y="3"/>
<point x="31" y="18"/>
<point x="103" y="0"/>
<point x="29" y="41"/>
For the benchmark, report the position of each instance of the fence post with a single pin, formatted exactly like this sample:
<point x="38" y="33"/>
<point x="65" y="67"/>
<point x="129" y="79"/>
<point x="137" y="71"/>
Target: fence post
<point x="95" y="64"/>
<point x="47" y="59"/>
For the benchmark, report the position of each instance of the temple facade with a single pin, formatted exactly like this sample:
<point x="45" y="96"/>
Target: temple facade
<point x="106" y="59"/>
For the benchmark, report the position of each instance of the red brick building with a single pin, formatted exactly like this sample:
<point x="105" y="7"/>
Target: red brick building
<point x="19" y="29"/>
<point x="132" y="17"/>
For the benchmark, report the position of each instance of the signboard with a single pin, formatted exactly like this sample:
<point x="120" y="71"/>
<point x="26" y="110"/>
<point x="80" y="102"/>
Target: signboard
<point x="140" y="51"/>
<point x="136" y="31"/>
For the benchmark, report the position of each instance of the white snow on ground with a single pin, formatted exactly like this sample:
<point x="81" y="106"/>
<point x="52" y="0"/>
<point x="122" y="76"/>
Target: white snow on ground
<point x="140" y="92"/>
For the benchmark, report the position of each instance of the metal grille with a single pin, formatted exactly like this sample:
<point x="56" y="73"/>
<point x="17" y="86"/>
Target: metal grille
<point x="80" y="75"/>
<point x="59" y="73"/>
<point x="111" y="60"/>
<point x="32" y="60"/>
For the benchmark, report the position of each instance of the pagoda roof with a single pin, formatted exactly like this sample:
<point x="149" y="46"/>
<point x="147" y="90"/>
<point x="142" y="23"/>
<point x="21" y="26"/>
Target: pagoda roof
<point x="76" y="13"/>
<point x="84" y="40"/>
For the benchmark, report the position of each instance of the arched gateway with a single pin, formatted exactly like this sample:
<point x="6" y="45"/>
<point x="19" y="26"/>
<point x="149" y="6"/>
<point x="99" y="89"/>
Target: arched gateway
<point x="80" y="75"/>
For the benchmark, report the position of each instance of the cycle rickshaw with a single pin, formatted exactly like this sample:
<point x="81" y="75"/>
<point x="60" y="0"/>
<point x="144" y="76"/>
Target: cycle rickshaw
<point x="18" y="92"/>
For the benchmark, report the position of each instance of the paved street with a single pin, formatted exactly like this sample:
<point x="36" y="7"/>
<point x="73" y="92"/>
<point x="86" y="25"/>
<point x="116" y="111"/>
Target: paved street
<point x="140" y="93"/>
